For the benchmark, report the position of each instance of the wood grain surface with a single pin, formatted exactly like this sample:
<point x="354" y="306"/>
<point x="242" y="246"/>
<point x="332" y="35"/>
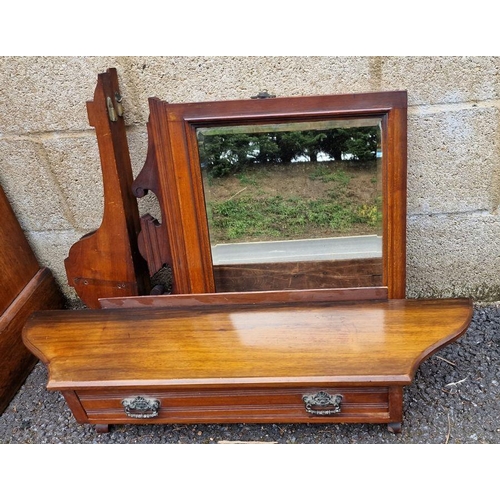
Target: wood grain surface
<point x="217" y="344"/>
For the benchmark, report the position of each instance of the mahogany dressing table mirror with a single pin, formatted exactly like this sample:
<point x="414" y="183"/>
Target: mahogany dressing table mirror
<point x="236" y="148"/>
<point x="305" y="340"/>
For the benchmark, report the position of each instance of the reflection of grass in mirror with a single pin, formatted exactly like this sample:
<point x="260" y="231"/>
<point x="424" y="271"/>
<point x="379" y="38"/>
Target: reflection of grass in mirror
<point x="278" y="217"/>
<point x="326" y="174"/>
<point x="370" y="214"/>
<point x="250" y="179"/>
<point x="294" y="201"/>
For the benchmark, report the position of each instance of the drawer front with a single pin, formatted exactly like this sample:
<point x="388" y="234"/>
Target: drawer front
<point x="293" y="405"/>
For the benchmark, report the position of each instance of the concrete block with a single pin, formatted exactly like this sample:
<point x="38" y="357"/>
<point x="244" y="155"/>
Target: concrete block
<point x="50" y="167"/>
<point x="209" y="78"/>
<point x="31" y="187"/>
<point x="138" y="141"/>
<point x="453" y="160"/>
<point x="51" y="248"/>
<point x="442" y="79"/>
<point x="137" y="138"/>
<point x="76" y="167"/>
<point x="454" y="255"/>
<point x="45" y="93"/>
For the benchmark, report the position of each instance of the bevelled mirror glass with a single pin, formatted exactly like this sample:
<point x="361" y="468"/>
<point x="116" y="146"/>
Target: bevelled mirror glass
<point x="284" y="193"/>
<point x="302" y="195"/>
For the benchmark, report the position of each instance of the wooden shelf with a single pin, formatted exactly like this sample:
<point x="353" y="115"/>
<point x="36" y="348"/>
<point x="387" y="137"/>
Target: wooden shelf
<point x="222" y="362"/>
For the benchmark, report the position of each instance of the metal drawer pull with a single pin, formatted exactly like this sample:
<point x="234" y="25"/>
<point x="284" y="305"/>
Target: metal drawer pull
<point x="322" y="399"/>
<point x="140" y="407"/>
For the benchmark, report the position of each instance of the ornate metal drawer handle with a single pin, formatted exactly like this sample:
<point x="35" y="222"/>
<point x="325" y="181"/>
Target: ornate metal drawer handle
<point x="322" y="399"/>
<point x="140" y="407"/>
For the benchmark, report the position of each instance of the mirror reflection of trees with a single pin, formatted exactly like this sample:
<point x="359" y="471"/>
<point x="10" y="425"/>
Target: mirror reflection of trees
<point x="228" y="153"/>
<point x="291" y="184"/>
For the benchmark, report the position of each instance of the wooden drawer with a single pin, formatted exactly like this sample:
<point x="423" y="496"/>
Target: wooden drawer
<point x="227" y="405"/>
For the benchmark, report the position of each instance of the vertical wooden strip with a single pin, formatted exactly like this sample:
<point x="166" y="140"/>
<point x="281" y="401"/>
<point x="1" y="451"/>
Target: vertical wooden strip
<point x="396" y="403"/>
<point x="185" y="218"/>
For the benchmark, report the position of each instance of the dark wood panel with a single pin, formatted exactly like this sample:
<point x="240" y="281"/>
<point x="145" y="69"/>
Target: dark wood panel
<point x="353" y="273"/>
<point x="24" y="288"/>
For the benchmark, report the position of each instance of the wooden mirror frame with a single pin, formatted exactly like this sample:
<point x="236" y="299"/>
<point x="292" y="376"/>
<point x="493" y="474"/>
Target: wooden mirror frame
<point x="174" y="174"/>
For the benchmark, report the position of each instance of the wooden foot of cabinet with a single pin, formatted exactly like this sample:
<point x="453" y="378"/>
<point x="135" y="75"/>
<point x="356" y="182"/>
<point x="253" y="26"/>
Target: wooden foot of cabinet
<point x="394" y="427"/>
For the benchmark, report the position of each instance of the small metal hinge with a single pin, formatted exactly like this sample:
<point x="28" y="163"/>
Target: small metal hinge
<point x="119" y="105"/>
<point x="111" y="109"/>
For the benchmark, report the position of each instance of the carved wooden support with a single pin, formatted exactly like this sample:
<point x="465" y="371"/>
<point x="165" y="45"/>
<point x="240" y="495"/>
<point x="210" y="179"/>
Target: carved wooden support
<point x="153" y="239"/>
<point x="107" y="262"/>
<point x="152" y="243"/>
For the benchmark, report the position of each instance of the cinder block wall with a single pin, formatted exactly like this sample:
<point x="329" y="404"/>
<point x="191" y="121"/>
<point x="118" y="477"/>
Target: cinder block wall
<point x="50" y="167"/>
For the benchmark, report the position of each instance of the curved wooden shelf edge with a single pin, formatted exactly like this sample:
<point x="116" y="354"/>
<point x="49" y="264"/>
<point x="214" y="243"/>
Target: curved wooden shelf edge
<point x="467" y="310"/>
<point x="30" y="345"/>
<point x="41" y="295"/>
